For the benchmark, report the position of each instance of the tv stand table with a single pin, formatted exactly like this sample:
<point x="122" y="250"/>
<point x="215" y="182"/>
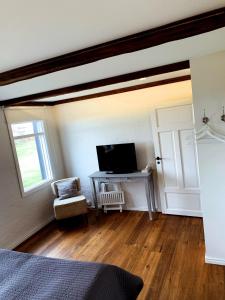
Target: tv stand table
<point x="147" y="178"/>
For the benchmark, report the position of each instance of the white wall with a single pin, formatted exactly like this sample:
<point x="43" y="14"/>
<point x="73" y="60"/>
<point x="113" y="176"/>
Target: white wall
<point x="21" y="217"/>
<point x="208" y="81"/>
<point x="118" y="118"/>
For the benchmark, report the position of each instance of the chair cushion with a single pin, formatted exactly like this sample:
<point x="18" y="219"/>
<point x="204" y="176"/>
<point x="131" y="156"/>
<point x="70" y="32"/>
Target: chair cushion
<point x="61" y="202"/>
<point x="71" y="207"/>
<point x="67" y="189"/>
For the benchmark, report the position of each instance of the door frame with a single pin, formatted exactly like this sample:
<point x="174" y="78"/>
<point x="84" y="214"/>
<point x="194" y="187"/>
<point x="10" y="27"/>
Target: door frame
<point x="161" y="194"/>
<point x="160" y="180"/>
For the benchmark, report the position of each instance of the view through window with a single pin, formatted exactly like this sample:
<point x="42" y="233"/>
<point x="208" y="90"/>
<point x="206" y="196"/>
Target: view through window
<point x="32" y="153"/>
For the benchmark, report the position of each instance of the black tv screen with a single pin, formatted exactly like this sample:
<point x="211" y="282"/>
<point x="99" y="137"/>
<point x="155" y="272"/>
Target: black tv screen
<point x="117" y="158"/>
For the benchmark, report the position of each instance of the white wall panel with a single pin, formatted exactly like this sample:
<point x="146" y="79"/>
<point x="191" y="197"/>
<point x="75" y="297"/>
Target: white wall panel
<point x="114" y="119"/>
<point x="208" y="80"/>
<point x="20" y="216"/>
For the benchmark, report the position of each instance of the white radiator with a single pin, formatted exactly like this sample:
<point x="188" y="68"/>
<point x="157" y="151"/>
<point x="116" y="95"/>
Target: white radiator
<point x="113" y="199"/>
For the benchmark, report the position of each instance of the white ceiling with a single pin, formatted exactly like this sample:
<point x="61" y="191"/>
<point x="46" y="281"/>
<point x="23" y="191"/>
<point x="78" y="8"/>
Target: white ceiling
<point x="164" y="54"/>
<point x="31" y="30"/>
<point x="34" y="30"/>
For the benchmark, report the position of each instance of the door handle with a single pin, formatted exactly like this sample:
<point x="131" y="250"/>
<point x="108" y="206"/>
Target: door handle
<point x="158" y="159"/>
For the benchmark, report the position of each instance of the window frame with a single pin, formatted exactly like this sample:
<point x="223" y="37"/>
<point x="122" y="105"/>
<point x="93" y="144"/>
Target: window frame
<point x="44" y="183"/>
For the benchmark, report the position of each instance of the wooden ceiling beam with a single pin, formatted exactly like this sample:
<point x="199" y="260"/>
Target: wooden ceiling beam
<point x="171" y="32"/>
<point x="100" y="83"/>
<point x="109" y="93"/>
<point x="30" y="103"/>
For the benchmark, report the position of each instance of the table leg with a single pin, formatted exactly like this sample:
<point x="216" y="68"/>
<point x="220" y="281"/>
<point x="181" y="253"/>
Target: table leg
<point x="148" y="196"/>
<point x="94" y="195"/>
<point x="152" y="191"/>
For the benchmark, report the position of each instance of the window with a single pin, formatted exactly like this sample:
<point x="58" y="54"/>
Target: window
<point x="31" y="154"/>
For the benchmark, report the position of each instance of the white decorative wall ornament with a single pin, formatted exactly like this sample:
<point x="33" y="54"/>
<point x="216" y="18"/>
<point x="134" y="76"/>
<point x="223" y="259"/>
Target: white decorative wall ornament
<point x="207" y="132"/>
<point x="205" y="119"/>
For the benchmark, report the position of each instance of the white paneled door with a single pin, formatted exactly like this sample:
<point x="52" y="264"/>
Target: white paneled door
<point x="176" y="160"/>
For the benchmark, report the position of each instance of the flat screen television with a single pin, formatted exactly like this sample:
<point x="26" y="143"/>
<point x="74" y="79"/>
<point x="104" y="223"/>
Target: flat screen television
<point x="117" y="158"/>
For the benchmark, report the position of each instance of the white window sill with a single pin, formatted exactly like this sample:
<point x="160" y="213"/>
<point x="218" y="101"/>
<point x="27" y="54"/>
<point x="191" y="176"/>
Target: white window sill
<point x="38" y="187"/>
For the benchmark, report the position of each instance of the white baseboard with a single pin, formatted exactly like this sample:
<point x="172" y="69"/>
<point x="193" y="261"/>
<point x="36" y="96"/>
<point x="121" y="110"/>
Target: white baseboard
<point x="214" y="260"/>
<point x="135" y="208"/>
<point x="29" y="234"/>
<point x="184" y="212"/>
<point x="139" y="208"/>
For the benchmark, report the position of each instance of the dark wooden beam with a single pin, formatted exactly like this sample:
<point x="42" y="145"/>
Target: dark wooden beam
<point x="110" y="92"/>
<point x="100" y="83"/>
<point x="171" y="32"/>
<point x="30" y="103"/>
<point x="126" y="89"/>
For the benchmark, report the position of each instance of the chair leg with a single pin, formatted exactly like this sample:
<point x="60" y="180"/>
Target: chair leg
<point x="85" y="217"/>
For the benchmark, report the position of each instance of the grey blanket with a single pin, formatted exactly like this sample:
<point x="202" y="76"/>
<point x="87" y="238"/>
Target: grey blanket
<point x="25" y="276"/>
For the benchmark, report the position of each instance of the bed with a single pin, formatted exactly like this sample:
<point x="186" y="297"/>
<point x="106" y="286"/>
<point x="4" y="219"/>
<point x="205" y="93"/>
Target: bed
<point x="25" y="276"/>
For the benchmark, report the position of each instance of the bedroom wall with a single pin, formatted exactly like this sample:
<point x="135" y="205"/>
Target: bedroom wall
<point x="208" y="82"/>
<point x="20" y="217"/>
<point x="118" y="118"/>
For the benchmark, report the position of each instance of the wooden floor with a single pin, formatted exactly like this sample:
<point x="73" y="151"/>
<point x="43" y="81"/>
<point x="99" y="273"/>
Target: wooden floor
<point x="167" y="253"/>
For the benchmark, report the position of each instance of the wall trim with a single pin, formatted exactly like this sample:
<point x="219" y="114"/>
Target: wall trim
<point x="184" y="212"/>
<point x="136" y="208"/>
<point x="214" y="260"/>
<point x="178" y="30"/>
<point x="132" y="208"/>
<point x="26" y="236"/>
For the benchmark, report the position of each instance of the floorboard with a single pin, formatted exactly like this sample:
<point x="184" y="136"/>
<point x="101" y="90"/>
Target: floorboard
<point x="168" y="253"/>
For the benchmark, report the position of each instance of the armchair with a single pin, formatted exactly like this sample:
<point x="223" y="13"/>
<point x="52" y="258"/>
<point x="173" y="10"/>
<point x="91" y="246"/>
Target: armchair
<point x="69" y="202"/>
